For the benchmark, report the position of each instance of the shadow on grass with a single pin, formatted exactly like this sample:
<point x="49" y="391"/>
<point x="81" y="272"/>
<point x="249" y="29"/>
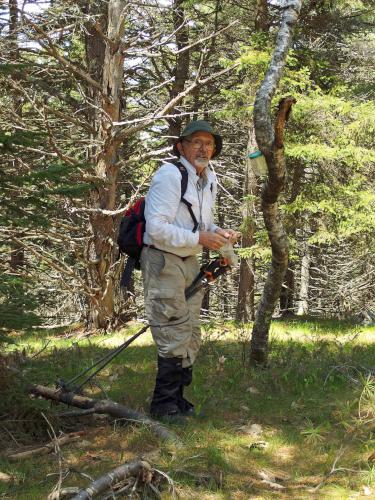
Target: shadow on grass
<point x="305" y="402"/>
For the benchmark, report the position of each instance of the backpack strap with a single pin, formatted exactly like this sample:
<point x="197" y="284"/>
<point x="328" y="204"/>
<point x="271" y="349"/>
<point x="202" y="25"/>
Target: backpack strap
<point x="184" y="183"/>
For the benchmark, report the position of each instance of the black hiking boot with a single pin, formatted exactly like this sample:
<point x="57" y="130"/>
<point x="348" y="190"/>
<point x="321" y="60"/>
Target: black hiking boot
<point x="186" y="408"/>
<point x="164" y="404"/>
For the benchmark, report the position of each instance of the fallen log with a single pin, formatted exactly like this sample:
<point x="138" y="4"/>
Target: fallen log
<point x="47" y="448"/>
<point x="104" y="407"/>
<point x="110" y="479"/>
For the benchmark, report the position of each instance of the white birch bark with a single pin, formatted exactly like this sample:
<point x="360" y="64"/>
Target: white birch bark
<point x="270" y="141"/>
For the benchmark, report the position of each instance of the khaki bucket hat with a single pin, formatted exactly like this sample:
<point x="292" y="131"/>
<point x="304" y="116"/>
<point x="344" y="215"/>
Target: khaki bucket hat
<point x="199" y="126"/>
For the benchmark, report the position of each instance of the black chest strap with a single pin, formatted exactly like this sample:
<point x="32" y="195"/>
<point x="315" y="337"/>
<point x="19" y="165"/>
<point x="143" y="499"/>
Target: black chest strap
<point x="184" y="183"/>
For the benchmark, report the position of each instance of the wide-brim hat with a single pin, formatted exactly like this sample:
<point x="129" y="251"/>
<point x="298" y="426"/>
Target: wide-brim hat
<point x="199" y="126"/>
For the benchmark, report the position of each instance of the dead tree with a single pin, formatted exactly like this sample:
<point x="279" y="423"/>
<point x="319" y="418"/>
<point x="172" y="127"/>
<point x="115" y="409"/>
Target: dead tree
<point x="270" y="142"/>
<point x="106" y="162"/>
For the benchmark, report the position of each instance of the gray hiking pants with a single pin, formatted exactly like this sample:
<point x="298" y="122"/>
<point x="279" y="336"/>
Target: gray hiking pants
<point x="174" y="320"/>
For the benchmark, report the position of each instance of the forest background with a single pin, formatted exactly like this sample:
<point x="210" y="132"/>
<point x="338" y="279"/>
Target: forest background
<point x="95" y="93"/>
<point x="93" y="96"/>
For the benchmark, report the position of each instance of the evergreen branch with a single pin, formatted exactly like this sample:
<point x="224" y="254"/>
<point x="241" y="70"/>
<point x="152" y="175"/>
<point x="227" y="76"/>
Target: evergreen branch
<point x="111" y="213"/>
<point x="197" y="83"/>
<point x="175" y="115"/>
<point x="159" y="86"/>
<point x="60" y="154"/>
<point x="169" y="37"/>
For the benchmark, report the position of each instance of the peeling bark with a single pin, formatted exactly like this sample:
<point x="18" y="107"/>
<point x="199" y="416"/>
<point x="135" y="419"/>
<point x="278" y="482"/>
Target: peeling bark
<point x="108" y="66"/>
<point x="270" y="142"/>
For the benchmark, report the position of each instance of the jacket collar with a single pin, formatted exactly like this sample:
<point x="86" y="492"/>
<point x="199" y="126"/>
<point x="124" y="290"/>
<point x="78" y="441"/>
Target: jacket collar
<point x="192" y="169"/>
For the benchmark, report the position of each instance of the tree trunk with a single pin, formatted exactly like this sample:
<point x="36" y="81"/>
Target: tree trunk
<point x="303" y="304"/>
<point x="291" y="221"/>
<point x="107" y="62"/>
<point x="287" y="292"/>
<point x="181" y="69"/>
<point x="270" y="141"/>
<point x="245" y="298"/>
<point x="17" y="255"/>
<point x="261" y="16"/>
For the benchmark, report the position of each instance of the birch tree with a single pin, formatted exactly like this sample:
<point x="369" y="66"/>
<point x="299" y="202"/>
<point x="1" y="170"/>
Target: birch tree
<point x="270" y="142"/>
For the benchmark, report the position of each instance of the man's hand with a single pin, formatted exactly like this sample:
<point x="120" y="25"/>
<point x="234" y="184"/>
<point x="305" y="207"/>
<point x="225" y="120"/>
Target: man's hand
<point x="229" y="234"/>
<point x="210" y="240"/>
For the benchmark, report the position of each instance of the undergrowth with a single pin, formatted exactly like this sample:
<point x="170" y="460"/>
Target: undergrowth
<point x="301" y="427"/>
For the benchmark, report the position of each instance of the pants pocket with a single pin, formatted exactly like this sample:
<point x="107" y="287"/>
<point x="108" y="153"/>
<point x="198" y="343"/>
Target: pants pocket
<point x="164" y="306"/>
<point x="156" y="262"/>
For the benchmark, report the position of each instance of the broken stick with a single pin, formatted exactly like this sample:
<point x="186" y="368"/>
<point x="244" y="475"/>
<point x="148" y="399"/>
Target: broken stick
<point x="107" y="481"/>
<point x="47" y="448"/>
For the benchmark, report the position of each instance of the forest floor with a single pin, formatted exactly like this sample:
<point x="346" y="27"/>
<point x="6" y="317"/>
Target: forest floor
<point x="304" y="427"/>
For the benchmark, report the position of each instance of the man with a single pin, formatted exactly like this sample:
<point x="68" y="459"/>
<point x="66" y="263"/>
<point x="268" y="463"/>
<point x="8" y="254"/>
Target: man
<point x="169" y="263"/>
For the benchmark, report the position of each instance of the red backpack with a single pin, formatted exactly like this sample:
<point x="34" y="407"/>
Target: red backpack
<point x="133" y="226"/>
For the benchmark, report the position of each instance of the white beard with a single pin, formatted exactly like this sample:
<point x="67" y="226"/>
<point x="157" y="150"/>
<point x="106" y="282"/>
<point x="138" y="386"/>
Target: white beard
<point x="202" y="162"/>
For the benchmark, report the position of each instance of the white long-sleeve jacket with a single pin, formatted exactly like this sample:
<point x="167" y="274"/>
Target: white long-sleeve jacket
<point x="169" y="225"/>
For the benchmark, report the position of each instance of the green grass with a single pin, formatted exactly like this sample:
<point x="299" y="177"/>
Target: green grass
<point x="313" y="404"/>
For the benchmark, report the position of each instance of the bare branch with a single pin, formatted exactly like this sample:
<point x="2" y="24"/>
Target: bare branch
<point x="212" y="35"/>
<point x="285" y="106"/>
<point x="53" y="51"/>
<point x="121" y="135"/>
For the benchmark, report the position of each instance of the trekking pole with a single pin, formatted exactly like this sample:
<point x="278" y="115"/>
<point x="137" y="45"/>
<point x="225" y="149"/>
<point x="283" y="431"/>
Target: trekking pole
<point x="102" y="362"/>
<point x="207" y="275"/>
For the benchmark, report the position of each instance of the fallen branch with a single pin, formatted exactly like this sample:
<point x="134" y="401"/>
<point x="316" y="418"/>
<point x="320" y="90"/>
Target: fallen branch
<point x="104" y="406"/>
<point x="63" y="493"/>
<point x="333" y="470"/>
<point x="47" y="448"/>
<point x="77" y="413"/>
<point x="122" y="472"/>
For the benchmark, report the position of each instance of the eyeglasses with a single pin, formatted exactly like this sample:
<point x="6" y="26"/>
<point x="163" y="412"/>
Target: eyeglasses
<point x="199" y="144"/>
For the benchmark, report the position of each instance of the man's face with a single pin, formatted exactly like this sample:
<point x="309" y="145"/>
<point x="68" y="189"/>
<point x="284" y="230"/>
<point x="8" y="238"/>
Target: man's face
<point x="198" y="149"/>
